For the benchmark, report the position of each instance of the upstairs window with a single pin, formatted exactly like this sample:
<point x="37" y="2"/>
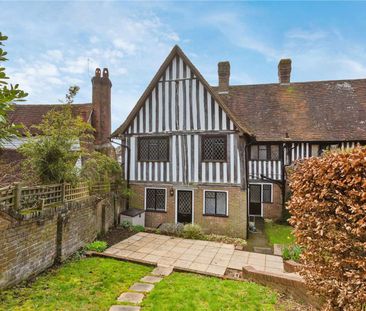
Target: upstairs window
<point x="265" y="152"/>
<point x="214" y="148"/>
<point x="153" y="149"/>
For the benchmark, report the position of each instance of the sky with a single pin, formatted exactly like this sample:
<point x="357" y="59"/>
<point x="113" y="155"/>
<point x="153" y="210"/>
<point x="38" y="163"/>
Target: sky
<point x="53" y="45"/>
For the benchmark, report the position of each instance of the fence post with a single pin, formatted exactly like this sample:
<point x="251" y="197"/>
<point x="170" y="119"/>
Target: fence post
<point x="18" y="196"/>
<point x="63" y="190"/>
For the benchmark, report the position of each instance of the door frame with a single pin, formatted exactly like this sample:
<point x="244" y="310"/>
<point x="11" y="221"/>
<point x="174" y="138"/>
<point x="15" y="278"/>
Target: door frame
<point x="261" y="185"/>
<point x="176" y="203"/>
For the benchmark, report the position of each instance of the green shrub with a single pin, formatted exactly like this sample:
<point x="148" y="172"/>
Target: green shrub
<point x="126" y="224"/>
<point x="171" y="229"/>
<point x="96" y="246"/>
<point x="292" y="252"/>
<point x="192" y="231"/>
<point x="138" y="228"/>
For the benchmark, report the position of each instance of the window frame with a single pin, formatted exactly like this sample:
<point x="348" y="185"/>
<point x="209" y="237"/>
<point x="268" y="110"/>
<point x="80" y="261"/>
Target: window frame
<point x="167" y="138"/>
<point x="268" y="152"/>
<point x="165" y="200"/>
<point x="227" y="204"/>
<point x="271" y="198"/>
<point x="203" y="138"/>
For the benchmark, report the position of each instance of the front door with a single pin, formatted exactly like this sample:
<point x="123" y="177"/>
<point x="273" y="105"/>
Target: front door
<point x="255" y="202"/>
<point x="184" y="206"/>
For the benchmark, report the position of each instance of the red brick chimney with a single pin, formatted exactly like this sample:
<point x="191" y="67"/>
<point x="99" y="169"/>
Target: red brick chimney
<point x="284" y="70"/>
<point x="101" y="99"/>
<point x="224" y="77"/>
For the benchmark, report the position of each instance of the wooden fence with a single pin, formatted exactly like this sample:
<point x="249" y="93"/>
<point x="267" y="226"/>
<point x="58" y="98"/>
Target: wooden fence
<point x="20" y="197"/>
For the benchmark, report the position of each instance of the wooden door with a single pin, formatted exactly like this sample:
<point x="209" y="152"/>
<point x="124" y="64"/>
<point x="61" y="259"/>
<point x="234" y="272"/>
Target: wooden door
<point x="184" y="206"/>
<point x="255" y="200"/>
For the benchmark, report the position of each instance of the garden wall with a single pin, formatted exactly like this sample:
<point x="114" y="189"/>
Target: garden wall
<point x="30" y="245"/>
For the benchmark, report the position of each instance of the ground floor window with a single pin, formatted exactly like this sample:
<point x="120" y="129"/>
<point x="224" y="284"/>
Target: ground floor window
<point x="215" y="203"/>
<point x="155" y="199"/>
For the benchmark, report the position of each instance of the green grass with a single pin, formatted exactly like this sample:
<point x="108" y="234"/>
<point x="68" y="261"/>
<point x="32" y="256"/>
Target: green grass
<point x="86" y="284"/>
<point x="187" y="292"/>
<point x="279" y="234"/>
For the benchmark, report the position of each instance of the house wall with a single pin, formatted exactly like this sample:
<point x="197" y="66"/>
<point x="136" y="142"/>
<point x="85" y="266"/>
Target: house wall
<point x="234" y="224"/>
<point x="274" y="210"/>
<point x="184" y="111"/>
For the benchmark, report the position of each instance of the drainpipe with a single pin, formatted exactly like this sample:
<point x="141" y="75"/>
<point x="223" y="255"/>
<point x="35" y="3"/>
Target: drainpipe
<point x="247" y="178"/>
<point x="127" y="163"/>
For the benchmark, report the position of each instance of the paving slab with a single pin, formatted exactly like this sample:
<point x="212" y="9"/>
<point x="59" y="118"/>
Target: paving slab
<point x="193" y="255"/>
<point x="151" y="279"/>
<point x="129" y="297"/>
<point x="124" y="308"/>
<point x="162" y="271"/>
<point x="142" y="287"/>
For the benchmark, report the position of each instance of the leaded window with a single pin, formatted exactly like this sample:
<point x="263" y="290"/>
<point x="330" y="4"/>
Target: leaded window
<point x="214" y="148"/>
<point x="155" y="199"/>
<point x="153" y="149"/>
<point x="265" y="152"/>
<point x="216" y="203"/>
<point x="267" y="194"/>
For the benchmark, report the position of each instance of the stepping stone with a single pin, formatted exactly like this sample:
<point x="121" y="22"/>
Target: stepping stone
<point x="135" y="298"/>
<point x="162" y="271"/>
<point x="151" y="279"/>
<point x="263" y="250"/>
<point x="124" y="308"/>
<point x="142" y="287"/>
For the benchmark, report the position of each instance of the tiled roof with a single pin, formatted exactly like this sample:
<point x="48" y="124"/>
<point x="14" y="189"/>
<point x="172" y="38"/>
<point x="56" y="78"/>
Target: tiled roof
<point x="30" y="114"/>
<point x="308" y="111"/>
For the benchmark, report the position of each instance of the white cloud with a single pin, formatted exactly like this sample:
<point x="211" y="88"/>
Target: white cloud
<point x="306" y="34"/>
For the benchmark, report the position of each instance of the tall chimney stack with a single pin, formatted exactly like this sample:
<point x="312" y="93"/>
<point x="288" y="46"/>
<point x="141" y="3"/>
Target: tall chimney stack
<point x="101" y="99"/>
<point x="284" y="70"/>
<point x="224" y="77"/>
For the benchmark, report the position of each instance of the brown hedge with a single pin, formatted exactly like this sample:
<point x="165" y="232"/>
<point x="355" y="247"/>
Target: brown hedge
<point x="328" y="212"/>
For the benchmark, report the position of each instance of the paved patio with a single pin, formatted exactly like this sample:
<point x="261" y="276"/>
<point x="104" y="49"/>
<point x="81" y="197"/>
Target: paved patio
<point x="204" y="257"/>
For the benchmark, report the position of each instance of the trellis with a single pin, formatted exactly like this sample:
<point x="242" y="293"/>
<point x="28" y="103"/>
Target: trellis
<point x="20" y="197"/>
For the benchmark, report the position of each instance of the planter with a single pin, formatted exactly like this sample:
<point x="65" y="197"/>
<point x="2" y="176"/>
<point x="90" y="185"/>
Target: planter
<point x="291" y="266"/>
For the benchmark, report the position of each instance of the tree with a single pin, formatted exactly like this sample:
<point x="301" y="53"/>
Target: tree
<point x="51" y="156"/>
<point x="8" y="95"/>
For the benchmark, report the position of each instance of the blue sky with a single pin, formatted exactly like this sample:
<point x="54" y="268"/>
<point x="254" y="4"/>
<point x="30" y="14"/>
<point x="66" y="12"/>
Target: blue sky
<point x="55" y="44"/>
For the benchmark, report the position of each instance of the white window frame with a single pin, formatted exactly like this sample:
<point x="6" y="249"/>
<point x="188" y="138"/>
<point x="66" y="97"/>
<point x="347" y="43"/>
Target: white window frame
<point x="176" y="203"/>
<point x="261" y="184"/>
<point x="204" y="202"/>
<point x="166" y="198"/>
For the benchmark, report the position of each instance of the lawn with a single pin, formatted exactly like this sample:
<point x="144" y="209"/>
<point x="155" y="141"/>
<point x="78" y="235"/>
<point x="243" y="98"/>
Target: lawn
<point x="187" y="292"/>
<point x="279" y="234"/>
<point x="86" y="284"/>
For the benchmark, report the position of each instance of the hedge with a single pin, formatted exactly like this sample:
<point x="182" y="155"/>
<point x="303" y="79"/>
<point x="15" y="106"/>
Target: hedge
<point x="328" y="212"/>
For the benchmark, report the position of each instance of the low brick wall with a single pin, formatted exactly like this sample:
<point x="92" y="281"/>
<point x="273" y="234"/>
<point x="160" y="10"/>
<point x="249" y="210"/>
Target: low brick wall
<point x="292" y="284"/>
<point x="34" y="243"/>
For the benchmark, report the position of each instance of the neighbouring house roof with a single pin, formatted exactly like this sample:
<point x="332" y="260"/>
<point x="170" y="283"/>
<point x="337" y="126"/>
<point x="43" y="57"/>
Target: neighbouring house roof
<point x="31" y="114"/>
<point x="177" y="51"/>
<point x="306" y="111"/>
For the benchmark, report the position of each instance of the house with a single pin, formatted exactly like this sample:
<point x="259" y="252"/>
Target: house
<point x="97" y="113"/>
<point x="217" y="156"/>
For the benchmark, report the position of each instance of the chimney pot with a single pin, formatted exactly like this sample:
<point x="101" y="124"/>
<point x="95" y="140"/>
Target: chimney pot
<point x="97" y="72"/>
<point x="284" y="70"/>
<point x="224" y="76"/>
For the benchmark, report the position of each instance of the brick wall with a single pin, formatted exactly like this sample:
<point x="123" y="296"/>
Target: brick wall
<point x="31" y="245"/>
<point x="233" y="225"/>
<point x="274" y="210"/>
